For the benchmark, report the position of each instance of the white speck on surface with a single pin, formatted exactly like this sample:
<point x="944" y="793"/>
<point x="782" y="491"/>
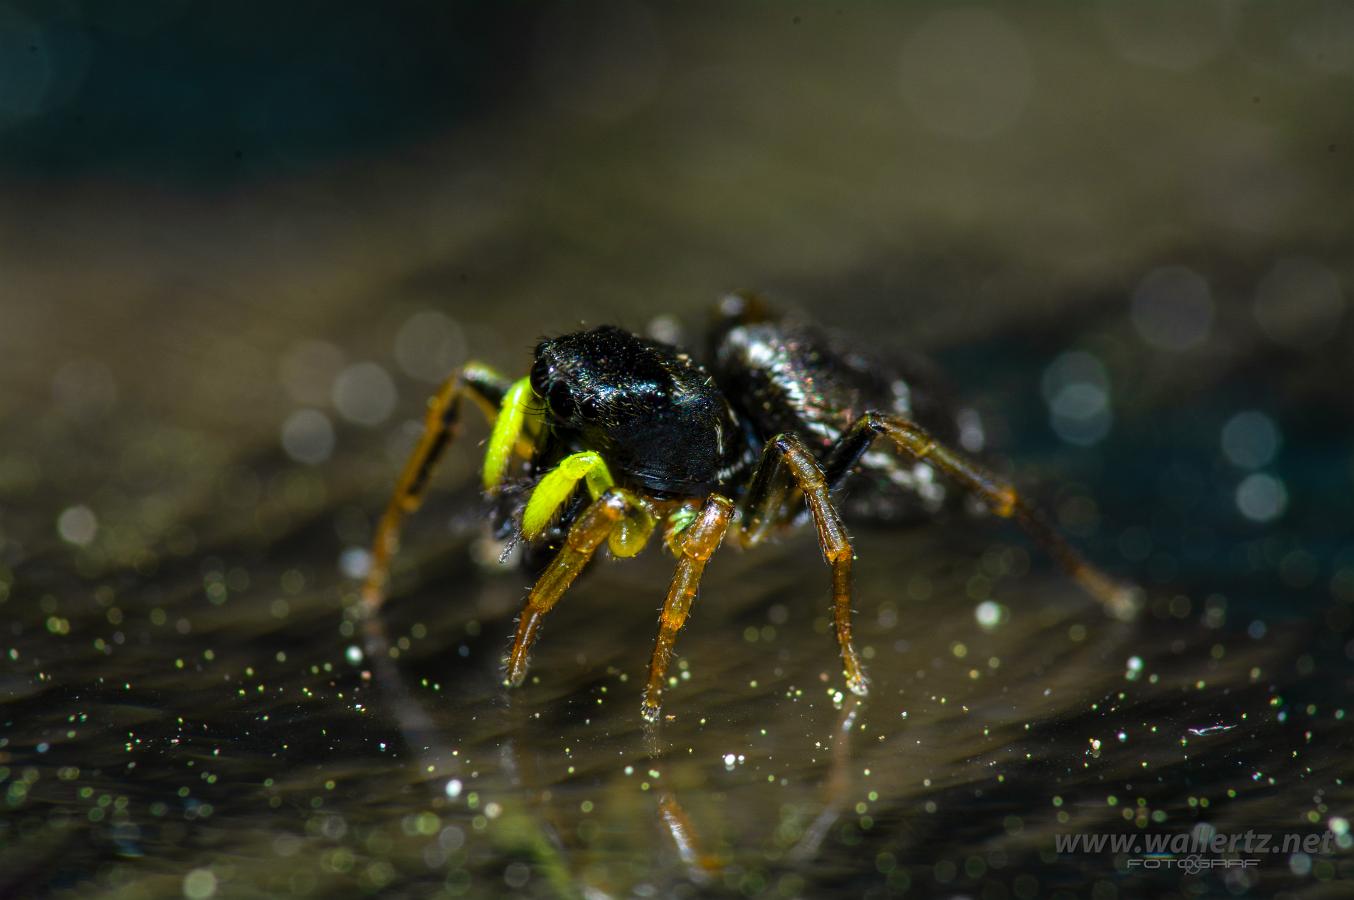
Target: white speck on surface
<point x="972" y="435"/>
<point x="665" y="328"/>
<point x="454" y="787"/>
<point x="1299" y="303"/>
<point x="354" y="562"/>
<point x="1261" y="497"/>
<point x="516" y="875"/>
<point x="364" y="394"/>
<point x="308" y="437"/>
<point x="199" y="884"/>
<point x="988" y="614"/>
<point x="77" y="525"/>
<point x="1173" y="308"/>
<point x="1076" y="388"/>
<point x="1250" y="439"/>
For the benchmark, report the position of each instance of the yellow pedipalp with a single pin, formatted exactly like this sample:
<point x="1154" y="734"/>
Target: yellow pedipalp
<point x="559" y="483"/>
<point x="631" y="533"/>
<point x="515" y="426"/>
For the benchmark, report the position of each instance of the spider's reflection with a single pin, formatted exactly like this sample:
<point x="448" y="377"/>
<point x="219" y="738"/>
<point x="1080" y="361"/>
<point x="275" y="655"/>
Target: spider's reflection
<point x="530" y="825"/>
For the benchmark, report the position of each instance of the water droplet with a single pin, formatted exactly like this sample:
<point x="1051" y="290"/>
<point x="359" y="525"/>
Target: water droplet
<point x="354" y="562"/>
<point x="1076" y="388"/>
<point x="364" y="394"/>
<point x="1261" y="497"/>
<point x="1250" y="439"/>
<point x="308" y="437"/>
<point x="1299" y="303"/>
<point x="1173" y="308"/>
<point x="199" y="884"/>
<point x="77" y="525"/>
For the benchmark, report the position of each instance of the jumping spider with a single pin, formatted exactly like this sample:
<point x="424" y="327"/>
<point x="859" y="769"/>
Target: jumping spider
<point x="613" y="435"/>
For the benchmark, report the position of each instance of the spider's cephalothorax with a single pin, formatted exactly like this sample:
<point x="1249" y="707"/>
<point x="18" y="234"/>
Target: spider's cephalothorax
<point x="613" y="436"/>
<point x="652" y="412"/>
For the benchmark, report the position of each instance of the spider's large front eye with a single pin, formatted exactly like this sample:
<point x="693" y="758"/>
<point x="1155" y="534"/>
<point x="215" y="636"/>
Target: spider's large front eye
<point x="589" y="408"/>
<point x="561" y="400"/>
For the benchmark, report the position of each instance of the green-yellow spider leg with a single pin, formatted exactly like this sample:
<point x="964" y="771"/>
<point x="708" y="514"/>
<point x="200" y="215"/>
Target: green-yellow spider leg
<point x="697" y="544"/>
<point x="520" y="421"/>
<point x="585" y="536"/>
<point x="761" y="505"/>
<point x="487" y="389"/>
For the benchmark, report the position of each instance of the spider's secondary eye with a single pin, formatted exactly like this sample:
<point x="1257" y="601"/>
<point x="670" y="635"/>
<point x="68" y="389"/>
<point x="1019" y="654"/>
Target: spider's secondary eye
<point x="540" y="373"/>
<point x="561" y="401"/>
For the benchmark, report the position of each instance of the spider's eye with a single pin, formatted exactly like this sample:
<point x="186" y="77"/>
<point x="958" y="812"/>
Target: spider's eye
<point x="589" y="408"/>
<point x="540" y="374"/>
<point x="561" y="400"/>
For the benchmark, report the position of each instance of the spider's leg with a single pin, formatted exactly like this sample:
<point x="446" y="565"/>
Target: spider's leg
<point x="697" y="544"/>
<point x="1119" y="599"/>
<point x="585" y="536"/>
<point x="761" y="506"/>
<point x="487" y="389"/>
<point x="700" y="865"/>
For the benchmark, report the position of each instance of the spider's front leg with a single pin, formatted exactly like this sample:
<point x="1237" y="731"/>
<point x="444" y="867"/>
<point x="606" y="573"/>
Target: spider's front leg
<point x="694" y="546"/>
<point x="594" y="526"/>
<point x="1118" y="599"/>
<point x="761" y="509"/>
<point x="488" y="390"/>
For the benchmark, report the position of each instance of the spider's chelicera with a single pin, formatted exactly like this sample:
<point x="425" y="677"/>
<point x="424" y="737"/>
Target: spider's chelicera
<point x="613" y="436"/>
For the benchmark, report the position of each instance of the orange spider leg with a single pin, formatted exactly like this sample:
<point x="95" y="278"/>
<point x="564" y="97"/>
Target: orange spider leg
<point x="696" y="545"/>
<point x="586" y="534"/>
<point x="761" y="508"/>
<point x="1001" y="497"/>
<point x="486" y="389"/>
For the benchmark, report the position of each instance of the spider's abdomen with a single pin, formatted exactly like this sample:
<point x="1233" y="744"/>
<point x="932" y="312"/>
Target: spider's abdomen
<point x="789" y="376"/>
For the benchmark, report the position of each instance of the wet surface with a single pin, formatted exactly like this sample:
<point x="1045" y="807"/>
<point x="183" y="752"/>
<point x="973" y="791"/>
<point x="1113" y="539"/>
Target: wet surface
<point x="208" y="393"/>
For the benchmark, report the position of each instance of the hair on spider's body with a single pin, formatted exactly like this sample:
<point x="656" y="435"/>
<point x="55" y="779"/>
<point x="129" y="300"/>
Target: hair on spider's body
<point x="612" y="437"/>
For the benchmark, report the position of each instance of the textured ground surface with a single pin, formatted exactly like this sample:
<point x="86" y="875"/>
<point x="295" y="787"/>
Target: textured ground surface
<point x="1114" y="235"/>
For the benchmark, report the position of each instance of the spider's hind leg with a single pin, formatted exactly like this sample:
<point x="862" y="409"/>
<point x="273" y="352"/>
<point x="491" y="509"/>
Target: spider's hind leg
<point x="762" y="504"/>
<point x="1001" y="497"/>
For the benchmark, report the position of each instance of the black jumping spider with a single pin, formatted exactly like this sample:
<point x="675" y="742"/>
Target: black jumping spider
<point x="612" y="435"/>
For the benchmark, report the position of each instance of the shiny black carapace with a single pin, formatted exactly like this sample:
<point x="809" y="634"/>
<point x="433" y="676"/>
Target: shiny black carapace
<point x="612" y="436"/>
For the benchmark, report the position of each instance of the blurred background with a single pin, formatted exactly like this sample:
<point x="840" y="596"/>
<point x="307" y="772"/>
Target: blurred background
<point x="240" y="245"/>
